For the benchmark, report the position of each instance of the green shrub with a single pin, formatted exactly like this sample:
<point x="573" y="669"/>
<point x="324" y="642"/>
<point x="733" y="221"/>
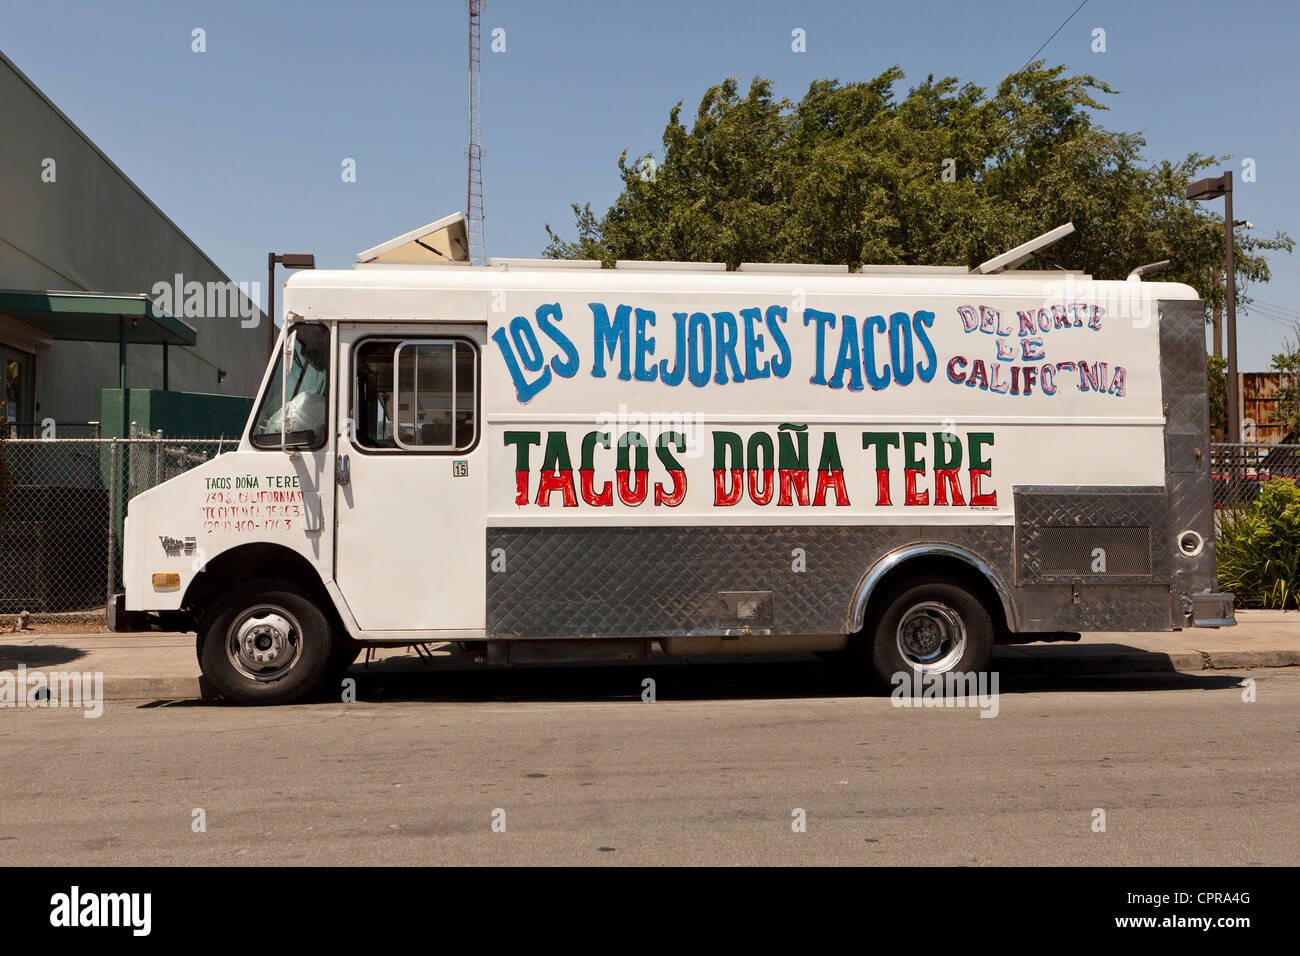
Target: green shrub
<point x="1258" y="548"/>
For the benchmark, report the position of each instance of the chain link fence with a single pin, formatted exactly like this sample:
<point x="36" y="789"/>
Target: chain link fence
<point x="61" y="509"/>
<point x="1239" y="471"/>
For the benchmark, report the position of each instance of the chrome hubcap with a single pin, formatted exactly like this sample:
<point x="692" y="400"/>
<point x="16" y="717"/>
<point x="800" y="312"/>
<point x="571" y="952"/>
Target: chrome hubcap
<point x="264" y="643"/>
<point x="931" y="637"/>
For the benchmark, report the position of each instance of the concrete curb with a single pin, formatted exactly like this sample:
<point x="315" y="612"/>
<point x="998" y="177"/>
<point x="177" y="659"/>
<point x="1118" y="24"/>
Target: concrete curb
<point x="1147" y="662"/>
<point x="1190" y="662"/>
<point x="1019" y="664"/>
<point x="1058" y="664"/>
<point x="1232" y="660"/>
<point x="154" y="688"/>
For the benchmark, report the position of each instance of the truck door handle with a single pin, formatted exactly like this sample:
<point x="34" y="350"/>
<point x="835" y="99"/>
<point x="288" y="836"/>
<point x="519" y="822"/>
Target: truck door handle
<point x="344" y="470"/>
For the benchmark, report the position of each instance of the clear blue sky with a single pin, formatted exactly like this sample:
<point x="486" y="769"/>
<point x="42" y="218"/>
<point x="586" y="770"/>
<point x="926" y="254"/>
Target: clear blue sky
<point x="242" y="145"/>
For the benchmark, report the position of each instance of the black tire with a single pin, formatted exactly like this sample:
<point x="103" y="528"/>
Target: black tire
<point x="932" y="607"/>
<point x="302" y="650"/>
<point x="342" y="658"/>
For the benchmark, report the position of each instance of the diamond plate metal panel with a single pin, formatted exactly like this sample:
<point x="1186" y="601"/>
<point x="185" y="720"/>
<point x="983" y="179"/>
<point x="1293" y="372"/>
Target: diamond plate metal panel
<point x="1187" y="430"/>
<point x="1182" y="366"/>
<point x="1184" y="454"/>
<point x="1108" y="608"/>
<point x="1040" y="508"/>
<point x="655" y="582"/>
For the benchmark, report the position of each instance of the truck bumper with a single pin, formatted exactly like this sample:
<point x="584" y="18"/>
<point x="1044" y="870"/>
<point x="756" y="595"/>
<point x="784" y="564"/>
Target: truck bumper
<point x="122" y="621"/>
<point x="1213" y="610"/>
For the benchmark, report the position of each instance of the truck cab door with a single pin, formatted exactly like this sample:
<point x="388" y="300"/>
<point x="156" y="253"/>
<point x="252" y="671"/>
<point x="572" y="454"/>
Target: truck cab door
<point x="411" y="499"/>
<point x="290" y="497"/>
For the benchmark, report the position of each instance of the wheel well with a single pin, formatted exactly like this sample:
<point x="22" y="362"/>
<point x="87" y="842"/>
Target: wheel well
<point x="958" y="569"/>
<point x="254" y="561"/>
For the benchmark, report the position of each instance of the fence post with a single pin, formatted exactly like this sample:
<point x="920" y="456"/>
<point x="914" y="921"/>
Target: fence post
<point x="1238" y="480"/>
<point x="112" y="523"/>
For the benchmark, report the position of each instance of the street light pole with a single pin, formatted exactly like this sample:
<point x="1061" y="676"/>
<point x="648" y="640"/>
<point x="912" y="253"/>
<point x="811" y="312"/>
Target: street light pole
<point x="270" y="304"/>
<point x="289" y="260"/>
<point x="1234" y="381"/>
<point x="1213" y="188"/>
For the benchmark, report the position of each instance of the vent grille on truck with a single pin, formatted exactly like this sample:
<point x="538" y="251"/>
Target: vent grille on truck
<point x="1092" y="551"/>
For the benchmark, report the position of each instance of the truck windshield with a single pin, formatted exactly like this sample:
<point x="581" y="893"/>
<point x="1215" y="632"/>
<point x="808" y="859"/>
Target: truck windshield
<point x="305" y="412"/>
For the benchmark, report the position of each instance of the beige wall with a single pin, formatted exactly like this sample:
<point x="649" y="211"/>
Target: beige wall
<point x="93" y="230"/>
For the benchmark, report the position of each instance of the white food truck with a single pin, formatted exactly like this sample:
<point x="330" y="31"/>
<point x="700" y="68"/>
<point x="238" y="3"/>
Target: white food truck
<point x="545" y="460"/>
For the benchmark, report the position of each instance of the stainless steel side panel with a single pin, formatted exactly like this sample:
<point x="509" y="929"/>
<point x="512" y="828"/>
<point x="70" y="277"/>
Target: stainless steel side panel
<point x="656" y="582"/>
<point x="1187" y="451"/>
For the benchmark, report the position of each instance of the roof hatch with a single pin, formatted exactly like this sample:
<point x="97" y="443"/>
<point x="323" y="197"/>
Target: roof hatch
<point x="445" y="241"/>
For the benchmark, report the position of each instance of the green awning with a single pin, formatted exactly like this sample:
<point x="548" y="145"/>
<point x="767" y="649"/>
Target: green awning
<point x="92" y="317"/>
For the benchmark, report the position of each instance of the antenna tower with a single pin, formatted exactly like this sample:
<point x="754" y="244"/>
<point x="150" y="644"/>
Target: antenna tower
<point x="474" y="153"/>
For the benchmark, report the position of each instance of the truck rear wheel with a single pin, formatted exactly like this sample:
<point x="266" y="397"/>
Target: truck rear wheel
<point x="926" y="625"/>
<point x="265" y="642"/>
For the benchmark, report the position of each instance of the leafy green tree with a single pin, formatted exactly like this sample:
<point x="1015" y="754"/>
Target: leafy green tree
<point x="947" y="174"/>
<point x="1216" y="368"/>
<point x="1288" y="397"/>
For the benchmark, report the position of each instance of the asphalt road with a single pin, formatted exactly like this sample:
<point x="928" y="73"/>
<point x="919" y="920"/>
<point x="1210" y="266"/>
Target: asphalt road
<point x="710" y="773"/>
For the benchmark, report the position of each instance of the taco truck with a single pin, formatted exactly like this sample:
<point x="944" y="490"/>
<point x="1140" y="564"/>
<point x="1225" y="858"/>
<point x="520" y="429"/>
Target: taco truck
<point x="545" y="460"/>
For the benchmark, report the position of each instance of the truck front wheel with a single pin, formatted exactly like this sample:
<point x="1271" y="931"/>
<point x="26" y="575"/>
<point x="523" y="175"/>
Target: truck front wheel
<point x="265" y="642"/>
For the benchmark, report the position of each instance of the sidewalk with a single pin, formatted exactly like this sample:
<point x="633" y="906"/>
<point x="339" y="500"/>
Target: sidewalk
<point x="163" y="665"/>
<point x="1260" y="639"/>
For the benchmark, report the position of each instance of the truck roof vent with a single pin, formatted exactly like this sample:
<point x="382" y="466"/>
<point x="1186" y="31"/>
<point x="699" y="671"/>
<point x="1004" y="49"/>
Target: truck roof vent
<point x="655" y="265"/>
<point x="545" y="263"/>
<point x="793" y="267"/>
<point x="901" y="270"/>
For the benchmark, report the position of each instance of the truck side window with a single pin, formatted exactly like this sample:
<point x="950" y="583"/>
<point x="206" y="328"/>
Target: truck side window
<point x="374" y="395"/>
<point x="305" y="394"/>
<point x="417" y="395"/>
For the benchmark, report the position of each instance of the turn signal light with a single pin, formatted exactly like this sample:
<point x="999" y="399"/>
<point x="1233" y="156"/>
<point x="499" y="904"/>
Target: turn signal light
<point x="167" y="579"/>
